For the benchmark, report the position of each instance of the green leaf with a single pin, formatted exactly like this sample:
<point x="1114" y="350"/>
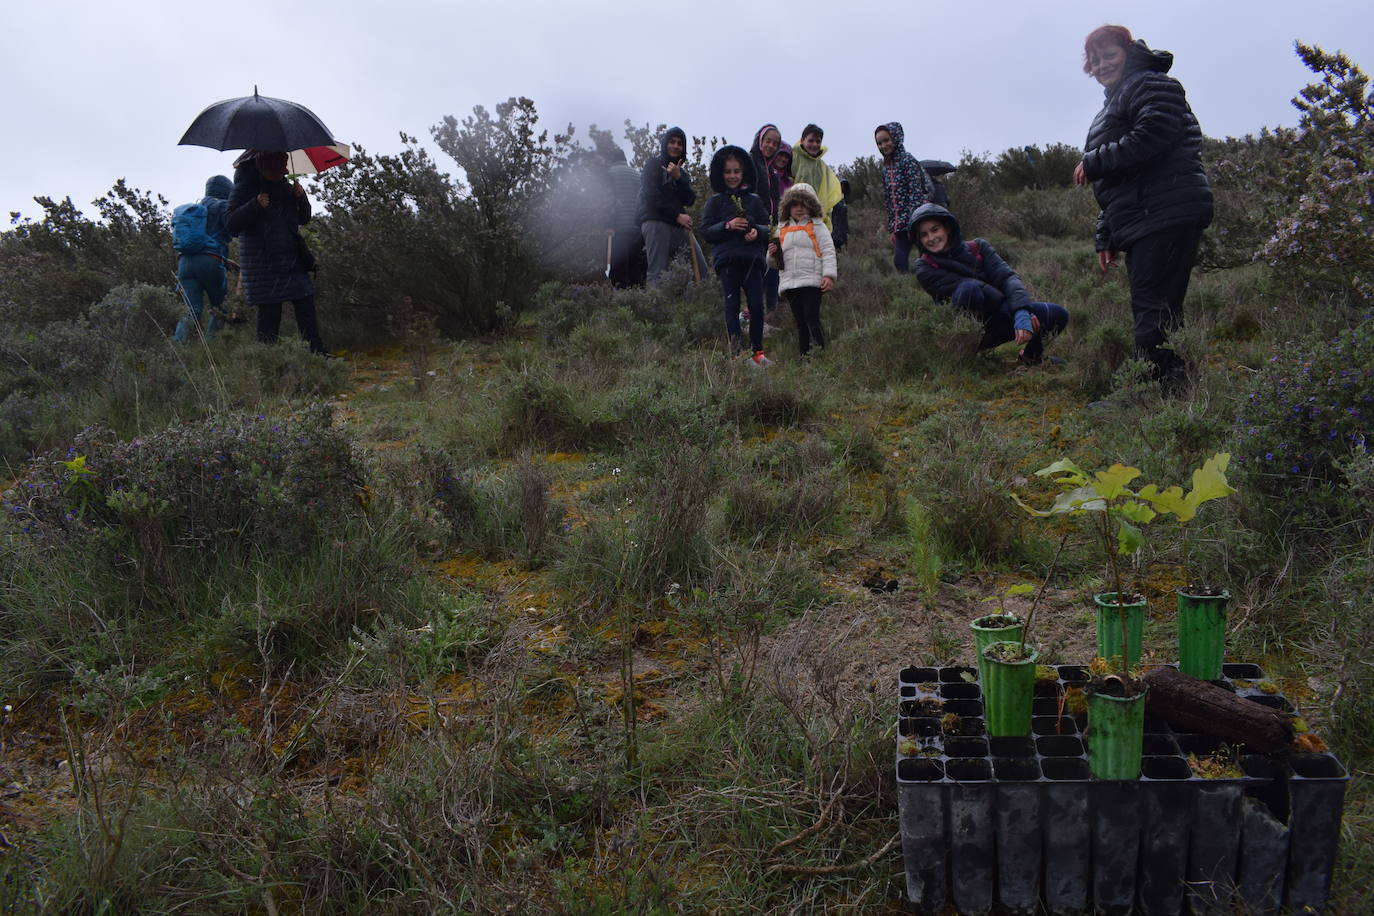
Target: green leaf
<point x="1083" y="499"/>
<point x="1170" y="501"/>
<point x="1209" y="482"/>
<point x="1111" y="483"/>
<point x="1064" y="466"/>
<point x="1022" y="589"/>
<point x="1137" y="512"/>
<point x="1129" y="539"/>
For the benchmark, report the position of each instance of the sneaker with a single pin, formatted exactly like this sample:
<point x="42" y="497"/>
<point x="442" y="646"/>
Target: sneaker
<point x="758" y="359"/>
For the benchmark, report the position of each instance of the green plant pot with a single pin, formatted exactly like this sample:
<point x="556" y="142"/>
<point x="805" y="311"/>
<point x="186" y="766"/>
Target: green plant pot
<point x="1201" y="634"/>
<point x="1109" y="627"/>
<point x="1008" y="691"/>
<point x="984" y="636"/>
<point x="1116" y="733"/>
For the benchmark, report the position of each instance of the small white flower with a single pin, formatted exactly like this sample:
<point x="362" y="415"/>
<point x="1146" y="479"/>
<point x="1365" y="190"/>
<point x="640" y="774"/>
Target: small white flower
<point x="615" y="471"/>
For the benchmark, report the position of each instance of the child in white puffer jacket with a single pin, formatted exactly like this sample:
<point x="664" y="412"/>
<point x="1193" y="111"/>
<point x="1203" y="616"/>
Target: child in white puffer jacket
<point x="804" y="253"/>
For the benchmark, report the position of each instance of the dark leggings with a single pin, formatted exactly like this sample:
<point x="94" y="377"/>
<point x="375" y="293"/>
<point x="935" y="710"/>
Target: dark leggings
<point x="901" y="251"/>
<point x="736" y="274"/>
<point x="998" y="327"/>
<point x="269" y="322"/>
<point x="806" y="309"/>
<point x="1159" y="266"/>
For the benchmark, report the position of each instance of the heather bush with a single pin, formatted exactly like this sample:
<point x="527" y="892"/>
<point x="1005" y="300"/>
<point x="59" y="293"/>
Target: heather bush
<point x="1308" y="410"/>
<point x="925" y="338"/>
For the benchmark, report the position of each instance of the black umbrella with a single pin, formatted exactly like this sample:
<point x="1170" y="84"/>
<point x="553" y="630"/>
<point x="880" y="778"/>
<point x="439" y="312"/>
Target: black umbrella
<point x="257" y="122"/>
<point x="933" y="167"/>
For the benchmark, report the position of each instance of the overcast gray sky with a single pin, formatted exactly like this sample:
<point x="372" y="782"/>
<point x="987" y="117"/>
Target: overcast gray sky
<point x="92" y="92"/>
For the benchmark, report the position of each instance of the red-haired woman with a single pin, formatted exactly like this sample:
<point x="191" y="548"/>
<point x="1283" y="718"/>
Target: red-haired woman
<point x="1143" y="157"/>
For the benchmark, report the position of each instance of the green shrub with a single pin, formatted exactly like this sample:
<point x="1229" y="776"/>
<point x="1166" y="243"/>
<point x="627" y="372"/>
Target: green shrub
<point x="897" y="348"/>
<point x="1308" y="409"/>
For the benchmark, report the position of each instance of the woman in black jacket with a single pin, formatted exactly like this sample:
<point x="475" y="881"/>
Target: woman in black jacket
<point x="266" y="212"/>
<point x="1144" y="159"/>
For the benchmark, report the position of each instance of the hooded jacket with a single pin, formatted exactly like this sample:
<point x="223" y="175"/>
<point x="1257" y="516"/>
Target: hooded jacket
<point x="780" y="173"/>
<point x="726" y="204"/>
<point x="1144" y="154"/>
<point x="623" y="184"/>
<point x="271" y="251"/>
<point x="217" y="190"/>
<point x="660" y="197"/>
<point x="940" y="273"/>
<point x="768" y="186"/>
<point x="806" y="249"/>
<point x="814" y="171"/>
<point x="905" y="184"/>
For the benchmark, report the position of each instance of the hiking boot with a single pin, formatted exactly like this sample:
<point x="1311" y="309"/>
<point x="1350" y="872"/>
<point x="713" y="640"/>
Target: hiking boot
<point x="758" y="359"/>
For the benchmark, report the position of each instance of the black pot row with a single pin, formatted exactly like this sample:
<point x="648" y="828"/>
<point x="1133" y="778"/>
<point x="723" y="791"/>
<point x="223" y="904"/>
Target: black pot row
<point x="1020" y="822"/>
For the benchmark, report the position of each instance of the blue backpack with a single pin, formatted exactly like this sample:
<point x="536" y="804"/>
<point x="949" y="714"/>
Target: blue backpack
<point x="189" y="232"/>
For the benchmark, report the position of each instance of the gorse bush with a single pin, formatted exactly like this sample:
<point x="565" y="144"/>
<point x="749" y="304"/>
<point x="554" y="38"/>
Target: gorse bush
<point x="241" y="483"/>
<point x="1308" y="410"/>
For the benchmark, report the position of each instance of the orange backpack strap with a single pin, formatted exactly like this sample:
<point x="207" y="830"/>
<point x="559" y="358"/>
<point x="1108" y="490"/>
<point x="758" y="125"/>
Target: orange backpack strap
<point x="803" y="228"/>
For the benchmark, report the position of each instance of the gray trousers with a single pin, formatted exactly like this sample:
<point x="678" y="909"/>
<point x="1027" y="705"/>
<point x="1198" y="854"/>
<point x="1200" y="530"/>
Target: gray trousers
<point x="664" y="240"/>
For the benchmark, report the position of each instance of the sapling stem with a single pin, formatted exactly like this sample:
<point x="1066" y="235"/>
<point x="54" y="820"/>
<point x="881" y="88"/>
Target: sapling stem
<point x="1030" y="615"/>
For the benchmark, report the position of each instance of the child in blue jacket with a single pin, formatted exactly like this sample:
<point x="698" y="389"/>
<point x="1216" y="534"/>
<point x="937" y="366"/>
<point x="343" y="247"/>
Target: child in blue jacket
<point x="735" y="223"/>
<point x="973" y="277"/>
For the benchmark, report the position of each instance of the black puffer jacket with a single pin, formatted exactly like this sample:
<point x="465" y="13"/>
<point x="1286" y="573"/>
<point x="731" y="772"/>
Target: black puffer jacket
<point x="1144" y="155"/>
<point x="271" y="251"/>
<point x="940" y="273"/>
<point x="660" y="197"/>
<point x="725" y="205"/>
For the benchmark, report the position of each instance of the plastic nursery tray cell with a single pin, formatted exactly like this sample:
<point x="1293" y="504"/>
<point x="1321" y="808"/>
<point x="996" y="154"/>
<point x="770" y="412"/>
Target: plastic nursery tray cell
<point x="1045" y="706"/>
<point x="964" y="707"/>
<point x="1156" y="725"/>
<point x="926" y="706"/>
<point x="966" y="747"/>
<point x="1201" y="745"/>
<point x="922" y="812"/>
<point x="972" y="840"/>
<point x="1010" y="747"/>
<point x="1166" y="812"/>
<point x="1317" y="792"/>
<point x="958" y="674"/>
<point x="1273" y="702"/>
<point x="907" y="691"/>
<point x="1064" y="832"/>
<point x="918" y="728"/>
<point x="1047" y="689"/>
<point x="1214" y="846"/>
<point x="1016" y="823"/>
<point x="1115" y="817"/>
<point x="1073" y="674"/>
<point x="1263" y="859"/>
<point x="1244" y="672"/>
<point x="1159" y="746"/>
<point x="918" y="676"/>
<point x="1223" y="684"/>
<point x="1053" y="725"/>
<point x="1059" y="746"/>
<point x="1266" y="781"/>
<point x="959" y="691"/>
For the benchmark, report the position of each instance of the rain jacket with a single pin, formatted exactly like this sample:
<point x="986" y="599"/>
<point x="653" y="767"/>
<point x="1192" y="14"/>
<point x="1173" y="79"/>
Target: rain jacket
<point x="813" y="171"/>
<point x="806" y="247"/>
<point x="274" y="257"/>
<point x="905" y="184"/>
<point x="941" y="272"/>
<point x="217" y="190"/>
<point x="660" y="197"/>
<point x="781" y="174"/>
<point x="725" y="205"/>
<point x="768" y="185"/>
<point x="1144" y="155"/>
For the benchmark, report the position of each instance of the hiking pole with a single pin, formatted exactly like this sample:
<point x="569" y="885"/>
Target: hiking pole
<point x="610" y="234"/>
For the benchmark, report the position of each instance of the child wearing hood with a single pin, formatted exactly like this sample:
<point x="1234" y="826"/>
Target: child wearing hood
<point x="805" y="254"/>
<point x="665" y="193"/>
<point x="905" y="187"/>
<point x="974" y="278"/>
<point x="201" y="273"/>
<point x="809" y="167"/>
<point x="735" y="223"/>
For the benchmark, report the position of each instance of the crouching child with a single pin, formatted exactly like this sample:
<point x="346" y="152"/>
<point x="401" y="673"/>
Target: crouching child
<point x="974" y="278"/>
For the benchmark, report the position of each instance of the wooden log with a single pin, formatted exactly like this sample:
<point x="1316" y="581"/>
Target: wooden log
<point x="1192" y="705"/>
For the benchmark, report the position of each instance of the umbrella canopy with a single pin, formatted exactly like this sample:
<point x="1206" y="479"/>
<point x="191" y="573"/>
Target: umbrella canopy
<point x="935" y="167"/>
<point x="257" y="122"/>
<point x="314" y="159"/>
